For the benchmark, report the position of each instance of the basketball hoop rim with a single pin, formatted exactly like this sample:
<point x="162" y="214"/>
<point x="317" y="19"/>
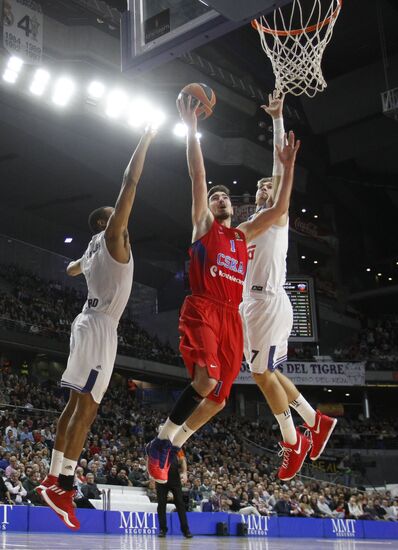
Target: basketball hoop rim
<point x="294" y="32"/>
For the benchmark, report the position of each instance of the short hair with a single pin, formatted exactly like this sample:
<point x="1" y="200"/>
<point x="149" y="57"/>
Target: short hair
<point x="95" y="216"/>
<point x="218" y="189"/>
<point x="264" y="180"/>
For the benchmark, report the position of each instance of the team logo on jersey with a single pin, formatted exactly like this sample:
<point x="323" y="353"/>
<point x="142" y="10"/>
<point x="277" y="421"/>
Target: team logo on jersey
<point x="232" y="264"/>
<point x="213" y="271"/>
<point x="257" y="288"/>
<point x="238" y="236"/>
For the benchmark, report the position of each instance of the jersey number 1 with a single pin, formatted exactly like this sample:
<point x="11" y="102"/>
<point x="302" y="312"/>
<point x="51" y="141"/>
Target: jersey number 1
<point x="233" y="249"/>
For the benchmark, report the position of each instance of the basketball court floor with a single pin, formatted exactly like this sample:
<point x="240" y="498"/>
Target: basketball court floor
<point x="45" y="541"/>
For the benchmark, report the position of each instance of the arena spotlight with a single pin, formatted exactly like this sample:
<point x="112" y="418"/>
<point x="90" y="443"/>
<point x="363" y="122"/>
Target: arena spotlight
<point x="10" y="76"/>
<point x="63" y="91"/>
<point x="15" y="64"/>
<point x="158" y="119"/>
<point x="40" y="81"/>
<point x="68" y="240"/>
<point x="234" y="182"/>
<point x="139" y="113"/>
<point x="303" y="210"/>
<point x="303" y="257"/>
<point x="180" y="130"/>
<point x="96" y="90"/>
<point x="368" y="269"/>
<point x="116" y="103"/>
<point x="198" y="135"/>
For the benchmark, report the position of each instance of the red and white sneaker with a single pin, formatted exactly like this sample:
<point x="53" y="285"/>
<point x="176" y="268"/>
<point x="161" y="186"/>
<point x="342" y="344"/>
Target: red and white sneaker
<point x="46" y="483"/>
<point x="61" y="501"/>
<point x="293" y="456"/>
<point x="320" y="433"/>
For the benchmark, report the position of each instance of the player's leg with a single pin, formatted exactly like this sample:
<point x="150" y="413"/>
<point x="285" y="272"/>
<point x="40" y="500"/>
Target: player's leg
<point x="201" y="415"/>
<point x="60" y="496"/>
<point x="158" y="450"/>
<point x="57" y="455"/>
<point x="268" y="327"/>
<point x="198" y="346"/>
<point x="277" y="400"/>
<point x="320" y="425"/>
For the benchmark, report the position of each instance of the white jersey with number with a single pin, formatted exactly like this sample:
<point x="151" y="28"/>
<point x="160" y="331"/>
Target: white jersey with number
<point x="266" y="309"/>
<point x="109" y="282"/>
<point x="93" y="340"/>
<point x="266" y="267"/>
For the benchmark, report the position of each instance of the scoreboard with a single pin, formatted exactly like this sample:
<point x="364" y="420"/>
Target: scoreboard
<point x="302" y="296"/>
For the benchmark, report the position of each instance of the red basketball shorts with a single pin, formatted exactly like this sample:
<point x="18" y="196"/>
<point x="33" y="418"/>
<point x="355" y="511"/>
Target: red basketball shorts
<point x="212" y="337"/>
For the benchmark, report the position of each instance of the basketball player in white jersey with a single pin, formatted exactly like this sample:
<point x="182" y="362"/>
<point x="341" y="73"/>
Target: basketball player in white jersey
<point x="268" y="319"/>
<point x="108" y="266"/>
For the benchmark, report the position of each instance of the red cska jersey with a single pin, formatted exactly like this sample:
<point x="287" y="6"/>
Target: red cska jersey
<point x="218" y="264"/>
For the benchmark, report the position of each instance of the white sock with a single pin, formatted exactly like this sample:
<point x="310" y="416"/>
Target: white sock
<point x="168" y="430"/>
<point x="56" y="462"/>
<point x="183" y="434"/>
<point x="287" y="427"/>
<point x="68" y="467"/>
<point x="304" y="409"/>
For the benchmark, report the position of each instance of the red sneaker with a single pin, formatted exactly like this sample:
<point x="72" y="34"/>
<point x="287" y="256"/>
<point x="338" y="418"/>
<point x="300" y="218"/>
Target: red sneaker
<point x="158" y="465"/>
<point x="320" y="433"/>
<point x="61" y="501"/>
<point x="46" y="483"/>
<point x="293" y="456"/>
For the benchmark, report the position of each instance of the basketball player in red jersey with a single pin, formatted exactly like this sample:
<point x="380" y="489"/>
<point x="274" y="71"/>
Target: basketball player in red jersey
<point x="210" y="325"/>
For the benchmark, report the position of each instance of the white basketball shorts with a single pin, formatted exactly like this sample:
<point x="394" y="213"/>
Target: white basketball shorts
<point x="93" y="347"/>
<point x="267" y="323"/>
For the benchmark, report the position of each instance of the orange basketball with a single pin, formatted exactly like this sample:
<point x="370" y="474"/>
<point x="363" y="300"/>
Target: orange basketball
<point x="204" y="95"/>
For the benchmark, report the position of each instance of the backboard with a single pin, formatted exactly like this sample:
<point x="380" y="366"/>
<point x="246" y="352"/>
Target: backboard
<point x="156" y="31"/>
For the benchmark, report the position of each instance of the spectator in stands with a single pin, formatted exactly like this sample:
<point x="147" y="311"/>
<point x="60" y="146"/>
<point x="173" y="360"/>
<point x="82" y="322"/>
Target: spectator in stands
<point x="305" y="506"/>
<point x="90" y="489"/>
<point x="5" y="497"/>
<point x="13" y="466"/>
<point x="380" y="510"/>
<point x="111" y="478"/>
<point x="282" y="506"/>
<point x="137" y="476"/>
<point x="122" y="479"/>
<point x="14" y="486"/>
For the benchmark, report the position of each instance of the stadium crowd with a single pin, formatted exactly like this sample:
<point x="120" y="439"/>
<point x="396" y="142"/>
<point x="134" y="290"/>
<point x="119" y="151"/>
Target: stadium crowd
<point x="32" y="305"/>
<point x="46" y="308"/>
<point x="222" y="473"/>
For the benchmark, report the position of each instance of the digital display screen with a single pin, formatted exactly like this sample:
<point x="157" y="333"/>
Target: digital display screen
<point x="302" y="297"/>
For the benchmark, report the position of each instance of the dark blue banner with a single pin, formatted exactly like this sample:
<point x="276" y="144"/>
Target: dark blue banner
<point x="380" y="529"/>
<point x="342" y="529"/>
<point x="44" y="520"/>
<point x="300" y="527"/>
<point x="200" y="523"/>
<point x="257" y="526"/>
<point x="133" y="523"/>
<point x="13" y="518"/>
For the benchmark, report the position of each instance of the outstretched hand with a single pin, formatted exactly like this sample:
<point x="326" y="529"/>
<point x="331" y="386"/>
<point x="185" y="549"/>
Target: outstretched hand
<point x="275" y="104"/>
<point x="187" y="107"/>
<point x="150" y="131"/>
<point x="287" y="153"/>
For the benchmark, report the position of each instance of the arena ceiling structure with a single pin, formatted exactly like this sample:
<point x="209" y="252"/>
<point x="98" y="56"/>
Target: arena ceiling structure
<point x="58" y="165"/>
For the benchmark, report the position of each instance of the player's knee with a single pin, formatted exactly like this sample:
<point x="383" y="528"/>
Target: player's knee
<point x="263" y="379"/>
<point x="87" y="409"/>
<point x="204" y="386"/>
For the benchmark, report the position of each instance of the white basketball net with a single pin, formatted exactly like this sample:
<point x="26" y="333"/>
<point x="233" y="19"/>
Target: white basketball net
<point x="295" y="45"/>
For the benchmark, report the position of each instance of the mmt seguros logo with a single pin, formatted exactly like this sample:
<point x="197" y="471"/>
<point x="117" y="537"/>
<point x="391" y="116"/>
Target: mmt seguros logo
<point x="138" y="523"/>
<point x="256" y="525"/>
<point x="344" y="527"/>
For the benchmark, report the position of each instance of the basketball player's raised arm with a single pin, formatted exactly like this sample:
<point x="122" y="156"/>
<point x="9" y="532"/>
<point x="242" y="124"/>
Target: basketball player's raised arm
<point x="202" y="218"/>
<point x="119" y="220"/>
<point x="74" y="268"/>
<point x="275" y="111"/>
<point x="269" y="216"/>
